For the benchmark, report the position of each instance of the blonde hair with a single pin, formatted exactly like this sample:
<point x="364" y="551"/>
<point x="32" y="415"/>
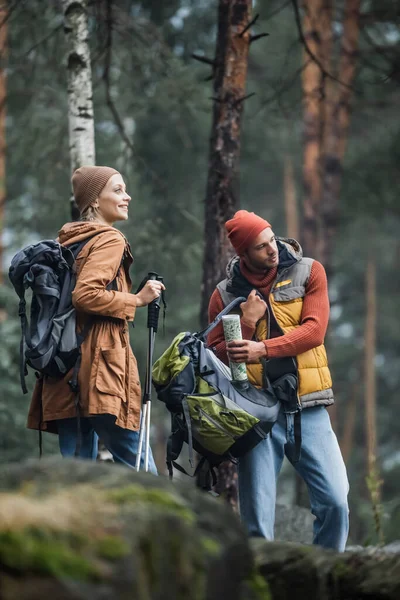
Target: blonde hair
<point x="90" y="213"/>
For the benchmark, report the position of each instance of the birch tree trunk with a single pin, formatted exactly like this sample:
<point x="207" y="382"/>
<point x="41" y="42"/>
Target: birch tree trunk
<point x="222" y="195"/>
<point x="3" y="93"/>
<point x="80" y="96"/>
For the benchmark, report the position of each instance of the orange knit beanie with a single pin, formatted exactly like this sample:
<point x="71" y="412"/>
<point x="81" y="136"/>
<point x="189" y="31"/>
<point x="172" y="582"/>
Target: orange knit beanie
<point x="87" y="183"/>
<point x="243" y="228"/>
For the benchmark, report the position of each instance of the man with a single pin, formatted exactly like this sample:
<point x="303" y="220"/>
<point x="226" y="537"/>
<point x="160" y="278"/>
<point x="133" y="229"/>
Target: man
<point x="284" y="321"/>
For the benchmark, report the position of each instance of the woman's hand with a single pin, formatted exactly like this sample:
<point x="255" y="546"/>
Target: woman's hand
<point x="149" y="292"/>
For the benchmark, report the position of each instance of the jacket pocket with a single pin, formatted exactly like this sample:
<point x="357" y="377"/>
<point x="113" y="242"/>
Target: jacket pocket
<point x="110" y="377"/>
<point x="285" y="294"/>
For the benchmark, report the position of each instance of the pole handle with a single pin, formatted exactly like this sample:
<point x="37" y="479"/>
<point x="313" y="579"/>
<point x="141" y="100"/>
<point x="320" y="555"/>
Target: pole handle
<point x="153" y="310"/>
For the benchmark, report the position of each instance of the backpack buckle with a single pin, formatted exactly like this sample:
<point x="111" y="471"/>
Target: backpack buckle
<point x="74" y="386"/>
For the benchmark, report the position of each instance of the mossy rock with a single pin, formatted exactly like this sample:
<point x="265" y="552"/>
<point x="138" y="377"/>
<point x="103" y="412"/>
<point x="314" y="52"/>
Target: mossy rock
<point x="76" y="529"/>
<point x="314" y="574"/>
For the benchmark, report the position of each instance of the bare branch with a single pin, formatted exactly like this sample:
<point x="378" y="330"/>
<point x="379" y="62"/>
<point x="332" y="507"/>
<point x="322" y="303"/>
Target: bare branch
<point x="254" y="38"/>
<point x="106" y="78"/>
<point x="204" y="59"/>
<point x="239" y="100"/>
<point x="41" y="41"/>
<point x="252" y="22"/>
<point x="111" y="104"/>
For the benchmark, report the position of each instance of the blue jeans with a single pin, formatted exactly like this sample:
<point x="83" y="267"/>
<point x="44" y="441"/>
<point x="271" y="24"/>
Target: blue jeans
<point x="121" y="443"/>
<point x="321" y="466"/>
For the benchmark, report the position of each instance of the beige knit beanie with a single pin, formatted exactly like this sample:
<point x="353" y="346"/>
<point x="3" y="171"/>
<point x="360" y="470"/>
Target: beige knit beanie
<point x="87" y="183"/>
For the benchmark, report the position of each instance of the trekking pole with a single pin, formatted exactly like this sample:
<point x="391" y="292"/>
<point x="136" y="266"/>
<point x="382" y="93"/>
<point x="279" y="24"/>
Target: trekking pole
<point x="153" y="311"/>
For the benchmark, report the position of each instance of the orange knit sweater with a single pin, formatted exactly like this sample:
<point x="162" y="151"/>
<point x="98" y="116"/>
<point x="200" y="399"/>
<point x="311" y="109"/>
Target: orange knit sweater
<point x="309" y="334"/>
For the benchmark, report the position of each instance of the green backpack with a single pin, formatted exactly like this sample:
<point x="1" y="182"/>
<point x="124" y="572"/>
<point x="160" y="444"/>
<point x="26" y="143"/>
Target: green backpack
<point x="219" y="418"/>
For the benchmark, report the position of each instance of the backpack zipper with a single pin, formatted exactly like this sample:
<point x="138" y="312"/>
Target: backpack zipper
<point x="215" y="423"/>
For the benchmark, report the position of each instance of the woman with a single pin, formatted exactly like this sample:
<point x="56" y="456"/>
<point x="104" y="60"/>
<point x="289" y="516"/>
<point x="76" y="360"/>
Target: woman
<point x="110" y="395"/>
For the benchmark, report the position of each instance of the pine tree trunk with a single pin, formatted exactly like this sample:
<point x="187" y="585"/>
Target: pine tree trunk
<point x="3" y="94"/>
<point x="347" y="438"/>
<point x="313" y="94"/>
<point x="80" y="96"/>
<point x="339" y="99"/>
<point x="369" y="366"/>
<point x="222" y="195"/>
<point x="373" y="480"/>
<point x="289" y="187"/>
<point x="317" y="29"/>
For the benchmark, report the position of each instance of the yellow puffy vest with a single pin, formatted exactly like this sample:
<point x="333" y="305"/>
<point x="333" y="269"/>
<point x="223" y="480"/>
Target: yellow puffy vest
<point x="286" y="303"/>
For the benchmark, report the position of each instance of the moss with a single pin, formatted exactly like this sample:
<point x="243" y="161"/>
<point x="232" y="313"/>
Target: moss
<point x="45" y="553"/>
<point x="133" y="494"/>
<point x="112" y="547"/>
<point x="259" y="586"/>
<point x="340" y="569"/>
<point x="210" y="546"/>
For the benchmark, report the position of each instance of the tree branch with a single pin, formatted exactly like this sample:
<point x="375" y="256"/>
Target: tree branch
<point x="254" y="38"/>
<point x="204" y="59"/>
<point x="309" y="51"/>
<point x="254" y="20"/>
<point x="106" y="77"/>
<point x="239" y="100"/>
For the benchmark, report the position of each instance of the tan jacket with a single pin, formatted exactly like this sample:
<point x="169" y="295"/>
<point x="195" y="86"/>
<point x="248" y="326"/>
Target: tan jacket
<point x="108" y="377"/>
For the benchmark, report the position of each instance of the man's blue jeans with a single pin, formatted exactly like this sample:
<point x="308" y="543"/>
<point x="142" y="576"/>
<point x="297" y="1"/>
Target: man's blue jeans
<point x="121" y="443"/>
<point x="321" y="466"/>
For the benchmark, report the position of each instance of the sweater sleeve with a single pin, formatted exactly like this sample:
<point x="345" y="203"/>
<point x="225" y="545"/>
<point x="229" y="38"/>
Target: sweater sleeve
<point x="99" y="269"/>
<point x="216" y="340"/>
<point x="314" y="319"/>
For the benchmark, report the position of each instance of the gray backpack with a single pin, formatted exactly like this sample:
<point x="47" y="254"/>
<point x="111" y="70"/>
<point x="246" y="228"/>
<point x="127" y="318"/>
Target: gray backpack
<point x="50" y="343"/>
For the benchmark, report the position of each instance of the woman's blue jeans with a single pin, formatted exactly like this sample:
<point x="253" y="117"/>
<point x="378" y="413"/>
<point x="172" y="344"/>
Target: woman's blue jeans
<point x="121" y="443"/>
<point x="321" y="466"/>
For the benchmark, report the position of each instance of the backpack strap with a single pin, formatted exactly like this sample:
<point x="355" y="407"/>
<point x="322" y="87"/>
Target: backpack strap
<point x="204" y="333"/>
<point x="23" y="371"/>
<point x="186" y="414"/>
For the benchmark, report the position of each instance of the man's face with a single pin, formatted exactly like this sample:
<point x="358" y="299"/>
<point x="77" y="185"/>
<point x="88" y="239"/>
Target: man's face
<point x="263" y="253"/>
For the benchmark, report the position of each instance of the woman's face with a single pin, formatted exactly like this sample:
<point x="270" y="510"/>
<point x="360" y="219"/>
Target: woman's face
<point x="113" y="201"/>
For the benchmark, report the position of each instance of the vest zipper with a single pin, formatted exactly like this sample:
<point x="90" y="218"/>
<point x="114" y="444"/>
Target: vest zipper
<point x="202" y="413"/>
<point x="271" y="310"/>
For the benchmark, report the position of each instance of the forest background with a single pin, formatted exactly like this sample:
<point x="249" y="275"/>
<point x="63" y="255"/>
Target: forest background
<point x="153" y="117"/>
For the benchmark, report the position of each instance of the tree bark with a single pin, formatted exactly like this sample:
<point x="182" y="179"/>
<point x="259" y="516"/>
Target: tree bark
<point x="373" y="480"/>
<point x="222" y="194"/>
<point x="369" y="366"/>
<point x="291" y="212"/>
<point x="3" y="93"/>
<point x="313" y="95"/>
<point x="339" y="101"/>
<point x="327" y="93"/>
<point x="347" y="438"/>
<point x="80" y="95"/>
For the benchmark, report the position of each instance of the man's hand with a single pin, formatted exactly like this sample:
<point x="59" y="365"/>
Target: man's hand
<point x="253" y="309"/>
<point x="245" y="351"/>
